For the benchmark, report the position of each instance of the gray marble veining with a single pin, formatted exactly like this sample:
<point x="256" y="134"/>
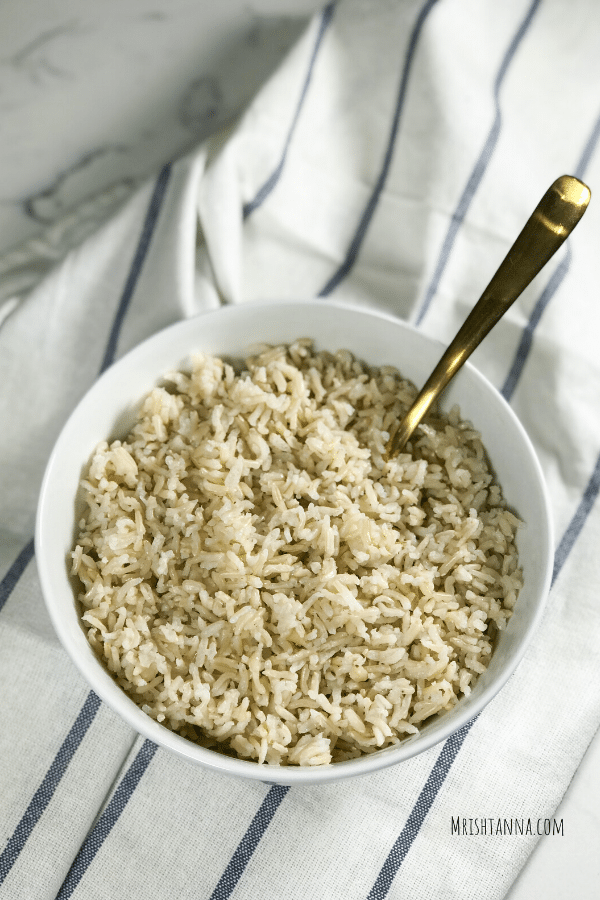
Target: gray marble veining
<point x="94" y="97"/>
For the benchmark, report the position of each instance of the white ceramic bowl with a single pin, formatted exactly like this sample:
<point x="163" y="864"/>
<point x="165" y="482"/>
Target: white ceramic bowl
<point x="107" y="412"/>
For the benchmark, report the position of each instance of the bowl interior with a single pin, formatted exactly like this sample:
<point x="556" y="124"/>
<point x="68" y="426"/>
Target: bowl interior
<point x="108" y="411"/>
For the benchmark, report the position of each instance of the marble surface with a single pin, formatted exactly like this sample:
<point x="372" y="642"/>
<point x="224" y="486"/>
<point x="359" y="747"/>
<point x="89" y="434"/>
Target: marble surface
<point x="94" y="96"/>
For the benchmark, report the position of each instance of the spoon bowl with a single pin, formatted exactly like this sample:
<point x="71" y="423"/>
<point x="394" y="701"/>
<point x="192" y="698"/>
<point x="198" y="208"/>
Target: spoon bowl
<point x="108" y="412"/>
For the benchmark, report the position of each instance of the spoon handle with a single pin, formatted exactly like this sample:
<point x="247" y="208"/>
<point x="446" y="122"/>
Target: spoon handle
<point x="554" y="218"/>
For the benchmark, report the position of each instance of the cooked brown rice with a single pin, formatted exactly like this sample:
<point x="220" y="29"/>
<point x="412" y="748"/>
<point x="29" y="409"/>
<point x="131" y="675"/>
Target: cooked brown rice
<point x="256" y="576"/>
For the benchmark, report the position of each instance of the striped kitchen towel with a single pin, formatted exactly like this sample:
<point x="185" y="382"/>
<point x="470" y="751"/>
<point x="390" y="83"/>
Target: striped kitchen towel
<point x="389" y="162"/>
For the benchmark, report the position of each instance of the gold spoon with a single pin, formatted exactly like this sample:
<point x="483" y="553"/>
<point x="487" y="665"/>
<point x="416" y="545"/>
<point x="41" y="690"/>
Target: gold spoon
<point x="552" y="221"/>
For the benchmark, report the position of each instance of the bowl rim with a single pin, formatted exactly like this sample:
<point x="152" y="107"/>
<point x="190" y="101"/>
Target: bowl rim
<point x="106" y="688"/>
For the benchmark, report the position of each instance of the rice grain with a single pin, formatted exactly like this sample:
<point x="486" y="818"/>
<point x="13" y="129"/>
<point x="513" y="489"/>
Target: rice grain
<point x="257" y="578"/>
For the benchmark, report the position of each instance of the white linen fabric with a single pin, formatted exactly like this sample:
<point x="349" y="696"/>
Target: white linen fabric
<point x="390" y="162"/>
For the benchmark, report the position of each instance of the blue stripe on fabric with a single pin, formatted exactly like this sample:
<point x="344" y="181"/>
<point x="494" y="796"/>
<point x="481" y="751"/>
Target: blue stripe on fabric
<point x="272" y="180"/>
<point x="553" y="285"/>
<point x="44" y="793"/>
<point x="526" y="341"/>
<point x="367" y="215"/>
<point x="248" y="844"/>
<point x="481" y="165"/>
<point x="425" y="800"/>
<point x="578" y="521"/>
<point x="46" y="790"/>
<point x="11" y="578"/>
<point x="137" y="264"/>
<point x="588" y="150"/>
<point x="108" y="819"/>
